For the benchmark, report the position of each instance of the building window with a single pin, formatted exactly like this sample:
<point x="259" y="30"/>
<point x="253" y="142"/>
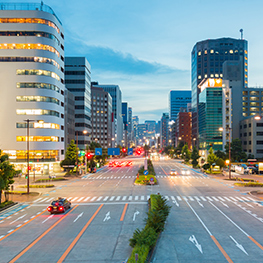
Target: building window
<point x="21" y="85"/>
<point x="36" y="98"/>
<point x="29" y="21"/>
<point x="259" y="124"/>
<point x="30" y="59"/>
<point x="29" y="46"/>
<point x="37" y="138"/>
<point x="36" y="112"/>
<point x="259" y="133"/>
<point x="37" y="72"/>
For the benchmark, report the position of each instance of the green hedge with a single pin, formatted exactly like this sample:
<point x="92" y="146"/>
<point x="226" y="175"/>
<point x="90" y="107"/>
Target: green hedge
<point x="142" y="180"/>
<point x="149" y="166"/>
<point x="37" y="186"/>
<point x="144" y="240"/>
<point x="251" y="184"/>
<point x="6" y="203"/>
<point x="47" y="179"/>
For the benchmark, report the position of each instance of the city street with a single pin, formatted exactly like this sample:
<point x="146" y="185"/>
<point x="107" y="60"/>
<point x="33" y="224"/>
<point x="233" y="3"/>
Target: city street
<point x="211" y="220"/>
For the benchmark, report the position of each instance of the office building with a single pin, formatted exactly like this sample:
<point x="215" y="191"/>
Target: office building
<point x="101" y="117"/>
<point x="183" y="129"/>
<point x="77" y="79"/>
<point x="135" y="122"/>
<point x="116" y="95"/>
<point x="69" y="117"/>
<point x="208" y="57"/>
<point x="32" y="85"/>
<point x="125" y="123"/>
<point x="130" y="128"/>
<point x="178" y="99"/>
<point x="164" y="130"/>
<point x="210" y="115"/>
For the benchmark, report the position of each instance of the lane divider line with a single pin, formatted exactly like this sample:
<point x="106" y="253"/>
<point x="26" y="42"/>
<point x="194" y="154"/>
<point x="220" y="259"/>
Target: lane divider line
<point x="123" y="212"/>
<point x="41" y="236"/>
<point x="163" y="170"/>
<point x="251" y="238"/>
<point x="22" y="225"/>
<point x="210" y="234"/>
<point x="78" y="236"/>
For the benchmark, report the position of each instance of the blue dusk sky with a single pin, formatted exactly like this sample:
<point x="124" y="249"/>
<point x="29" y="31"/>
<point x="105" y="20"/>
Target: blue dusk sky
<point x="144" y="46"/>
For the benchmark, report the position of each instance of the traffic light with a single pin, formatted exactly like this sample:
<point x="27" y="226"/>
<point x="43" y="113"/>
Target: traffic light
<point x="29" y="168"/>
<point x="124" y="150"/>
<point x="88" y="155"/>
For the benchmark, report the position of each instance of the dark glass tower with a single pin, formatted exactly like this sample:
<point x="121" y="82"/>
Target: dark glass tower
<point x="208" y="57"/>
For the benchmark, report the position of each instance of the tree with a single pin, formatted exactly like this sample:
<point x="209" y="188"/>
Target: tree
<point x="195" y="156"/>
<point x="237" y="153"/>
<point x="211" y="158"/>
<point x="93" y="145"/>
<point x="220" y="162"/>
<point x="220" y="154"/>
<point x="186" y="153"/>
<point x="70" y="158"/>
<point x="7" y="172"/>
<point x="179" y="147"/>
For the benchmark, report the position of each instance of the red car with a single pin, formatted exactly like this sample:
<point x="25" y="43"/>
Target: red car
<point x="59" y="205"/>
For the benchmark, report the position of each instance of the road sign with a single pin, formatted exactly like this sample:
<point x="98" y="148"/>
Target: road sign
<point x="113" y="151"/>
<point x="98" y="151"/>
<point x="145" y="172"/>
<point x="152" y="179"/>
<point x="130" y="151"/>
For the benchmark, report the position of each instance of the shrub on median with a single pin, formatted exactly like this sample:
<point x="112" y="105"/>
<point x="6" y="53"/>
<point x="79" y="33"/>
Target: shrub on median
<point x="251" y="184"/>
<point x="53" y="179"/>
<point x="144" y="240"/>
<point x="6" y="203"/>
<point x="37" y="186"/>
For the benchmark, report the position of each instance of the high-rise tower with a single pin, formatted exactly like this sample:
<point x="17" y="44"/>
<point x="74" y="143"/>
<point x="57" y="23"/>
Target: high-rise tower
<point x="208" y="57"/>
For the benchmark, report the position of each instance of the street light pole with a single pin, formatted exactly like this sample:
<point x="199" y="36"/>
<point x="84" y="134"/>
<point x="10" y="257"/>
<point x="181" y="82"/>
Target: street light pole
<point x="229" y="153"/>
<point x="27" y="121"/>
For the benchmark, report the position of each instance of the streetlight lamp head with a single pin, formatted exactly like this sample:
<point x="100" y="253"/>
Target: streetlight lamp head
<point x="257" y="117"/>
<point x="85" y="132"/>
<point x="221" y="129"/>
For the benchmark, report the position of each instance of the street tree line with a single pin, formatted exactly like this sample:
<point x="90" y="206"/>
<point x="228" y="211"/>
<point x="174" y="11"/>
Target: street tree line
<point x="214" y="157"/>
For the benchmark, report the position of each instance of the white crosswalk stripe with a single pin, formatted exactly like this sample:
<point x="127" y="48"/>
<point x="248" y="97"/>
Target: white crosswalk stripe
<point x="145" y="198"/>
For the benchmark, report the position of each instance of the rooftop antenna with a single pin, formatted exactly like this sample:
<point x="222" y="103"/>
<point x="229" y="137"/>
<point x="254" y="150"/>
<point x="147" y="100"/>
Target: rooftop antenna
<point x="241" y="32"/>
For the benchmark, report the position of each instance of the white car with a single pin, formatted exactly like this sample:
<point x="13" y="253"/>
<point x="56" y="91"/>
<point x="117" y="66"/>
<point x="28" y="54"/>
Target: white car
<point x="185" y="171"/>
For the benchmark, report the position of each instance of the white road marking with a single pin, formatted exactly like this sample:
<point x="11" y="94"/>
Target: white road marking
<point x="19" y="225"/>
<point x="194" y="241"/>
<point x="136" y="198"/>
<point x="80" y="215"/>
<point x="74" y="199"/>
<point x="112" y="198"/>
<point x="10" y="231"/>
<point x="124" y="198"/>
<point x="17" y="219"/>
<point x="107" y="217"/>
<point x="118" y="198"/>
<point x="99" y="198"/>
<point x="86" y="199"/>
<point x="93" y="198"/>
<point x="80" y="199"/>
<point x="47" y="218"/>
<point x="134" y="216"/>
<point x="130" y="198"/>
<point x="179" y="198"/>
<point x="239" y="245"/>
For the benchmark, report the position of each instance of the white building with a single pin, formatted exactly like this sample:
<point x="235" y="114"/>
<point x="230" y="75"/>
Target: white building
<point x="32" y="85"/>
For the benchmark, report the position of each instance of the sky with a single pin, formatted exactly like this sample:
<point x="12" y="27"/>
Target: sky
<point x="144" y="46"/>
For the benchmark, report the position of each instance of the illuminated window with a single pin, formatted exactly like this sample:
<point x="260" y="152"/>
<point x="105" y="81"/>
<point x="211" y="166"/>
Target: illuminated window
<point x="245" y="76"/>
<point x="30" y="59"/>
<point x="254" y="92"/>
<point x="221" y="75"/>
<point x="36" y="112"/>
<point x="254" y="98"/>
<point x="211" y="75"/>
<point x="254" y="109"/>
<point x="38" y="72"/>
<point x="37" y="98"/>
<point x="216" y="75"/>
<point x="30" y="21"/>
<point x="199" y="77"/>
<point x="245" y="58"/>
<point x="29" y="46"/>
<point x="211" y="51"/>
<point x="245" y="64"/>
<point x="205" y="51"/>
<point x="245" y="52"/>
<point x="199" y="53"/>
<point x="37" y="125"/>
<point x="231" y="51"/>
<point x="21" y="85"/>
<point x="37" y="138"/>
<point x="245" y="93"/>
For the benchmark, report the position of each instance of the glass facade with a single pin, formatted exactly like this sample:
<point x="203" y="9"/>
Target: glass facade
<point x="210" y="119"/>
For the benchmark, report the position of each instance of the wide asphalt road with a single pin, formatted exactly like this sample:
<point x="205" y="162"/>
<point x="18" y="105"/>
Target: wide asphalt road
<point x="210" y="219"/>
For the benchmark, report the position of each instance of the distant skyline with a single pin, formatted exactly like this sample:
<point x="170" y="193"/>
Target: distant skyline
<point x="145" y="46"/>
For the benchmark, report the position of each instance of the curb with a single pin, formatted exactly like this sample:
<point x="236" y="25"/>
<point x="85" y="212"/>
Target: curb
<point x="8" y="206"/>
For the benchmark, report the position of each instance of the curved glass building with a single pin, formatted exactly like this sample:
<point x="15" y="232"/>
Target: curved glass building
<point x="32" y="85"/>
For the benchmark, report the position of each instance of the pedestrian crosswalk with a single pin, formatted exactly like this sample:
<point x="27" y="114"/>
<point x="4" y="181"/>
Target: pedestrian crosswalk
<point x="144" y="198"/>
<point x="86" y="177"/>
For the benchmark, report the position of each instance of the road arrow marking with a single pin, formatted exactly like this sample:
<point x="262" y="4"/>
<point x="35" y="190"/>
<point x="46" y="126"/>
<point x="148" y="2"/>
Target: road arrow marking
<point x="17" y="219"/>
<point x="200" y="204"/>
<point x="175" y="202"/>
<point x="194" y="241"/>
<point x="107" y="217"/>
<point x="224" y="204"/>
<point x="136" y="213"/>
<point x="47" y="219"/>
<point x="80" y="215"/>
<point x="239" y="245"/>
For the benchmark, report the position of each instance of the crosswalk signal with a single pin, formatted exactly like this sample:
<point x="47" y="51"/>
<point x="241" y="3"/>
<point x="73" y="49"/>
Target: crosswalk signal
<point x="88" y="155"/>
<point x="124" y="150"/>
